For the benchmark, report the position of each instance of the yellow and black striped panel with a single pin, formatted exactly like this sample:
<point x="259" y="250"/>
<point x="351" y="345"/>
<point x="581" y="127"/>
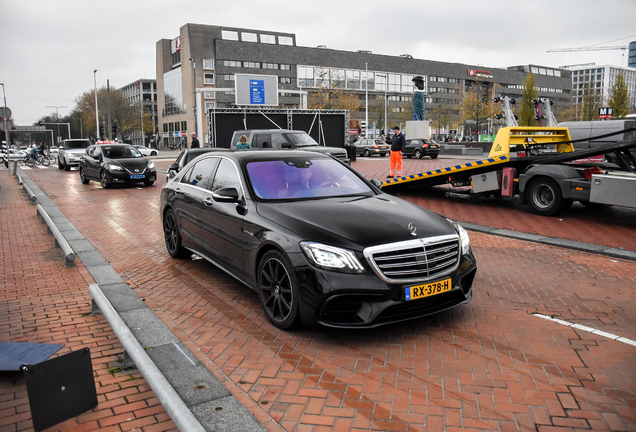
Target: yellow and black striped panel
<point x="441" y="173"/>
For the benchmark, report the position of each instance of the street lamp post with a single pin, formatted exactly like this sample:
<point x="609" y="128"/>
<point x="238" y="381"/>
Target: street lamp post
<point x="96" y="113"/>
<point x="386" y="119"/>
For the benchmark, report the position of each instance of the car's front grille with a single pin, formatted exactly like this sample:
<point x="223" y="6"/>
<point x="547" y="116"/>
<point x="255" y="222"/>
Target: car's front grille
<point x="415" y="260"/>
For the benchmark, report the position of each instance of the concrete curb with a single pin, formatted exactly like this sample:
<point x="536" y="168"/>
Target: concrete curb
<point x="552" y="241"/>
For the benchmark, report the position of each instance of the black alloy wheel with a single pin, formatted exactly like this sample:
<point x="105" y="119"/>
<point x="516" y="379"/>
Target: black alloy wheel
<point x="104" y="180"/>
<point x="418" y="154"/>
<point x="278" y="290"/>
<point x="172" y="236"/>
<point x="83" y="178"/>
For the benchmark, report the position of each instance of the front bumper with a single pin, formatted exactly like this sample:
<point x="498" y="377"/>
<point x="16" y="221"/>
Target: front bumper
<point x="340" y="300"/>
<point x="122" y="177"/>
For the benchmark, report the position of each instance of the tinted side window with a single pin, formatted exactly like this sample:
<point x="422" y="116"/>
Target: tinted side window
<point x="278" y="140"/>
<point x="201" y="174"/>
<point x="226" y="177"/>
<point x="262" y="141"/>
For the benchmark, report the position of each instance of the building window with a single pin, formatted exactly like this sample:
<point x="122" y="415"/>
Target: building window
<point x="268" y="39"/>
<point x="285" y="40"/>
<point x="173" y="93"/>
<point x="284" y="80"/>
<point x="208" y="78"/>
<point x="208" y="64"/>
<point x="231" y="63"/>
<point x="209" y="95"/>
<point x="229" y="35"/>
<point x="184" y="125"/>
<point x="285" y="67"/>
<point x="228" y="77"/>
<point x="249" y="37"/>
<point x="252" y="65"/>
<point x="270" y="65"/>
<point x="209" y="105"/>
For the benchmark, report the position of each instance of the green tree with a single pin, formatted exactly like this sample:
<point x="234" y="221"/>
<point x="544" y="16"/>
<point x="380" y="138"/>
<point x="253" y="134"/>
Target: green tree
<point x="619" y="101"/>
<point x="477" y="105"/>
<point x="530" y="93"/>
<point x="591" y="104"/>
<point x="124" y="118"/>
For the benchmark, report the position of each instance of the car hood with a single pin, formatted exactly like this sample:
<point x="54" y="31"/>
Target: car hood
<point x="130" y="163"/>
<point x="356" y="222"/>
<point x="75" y="150"/>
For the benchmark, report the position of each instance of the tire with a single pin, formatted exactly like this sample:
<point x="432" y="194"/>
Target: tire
<point x="278" y="290"/>
<point x="417" y="154"/>
<point x="545" y="199"/>
<point x="45" y="161"/>
<point x="30" y="162"/>
<point x="104" y="180"/>
<point x="149" y="183"/>
<point x="382" y="154"/>
<point x="83" y="178"/>
<point x="60" y="165"/>
<point x="66" y="167"/>
<point x="366" y="153"/>
<point x="172" y="236"/>
<point x="434" y="156"/>
<point x="154" y="153"/>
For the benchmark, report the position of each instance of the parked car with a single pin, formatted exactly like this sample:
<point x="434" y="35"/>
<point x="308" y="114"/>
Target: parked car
<point x="418" y="148"/>
<point x="54" y="149"/>
<point x="369" y="147"/>
<point x="70" y="152"/>
<point x="318" y="242"/>
<point x="112" y="164"/>
<point x="147" y="151"/>
<point x="185" y="157"/>
<point x="286" y="139"/>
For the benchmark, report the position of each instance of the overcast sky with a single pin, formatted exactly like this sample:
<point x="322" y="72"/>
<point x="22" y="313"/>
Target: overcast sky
<point x="49" y="48"/>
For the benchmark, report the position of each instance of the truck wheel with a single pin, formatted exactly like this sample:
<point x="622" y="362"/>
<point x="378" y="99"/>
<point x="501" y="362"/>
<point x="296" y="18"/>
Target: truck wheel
<point x="545" y="199"/>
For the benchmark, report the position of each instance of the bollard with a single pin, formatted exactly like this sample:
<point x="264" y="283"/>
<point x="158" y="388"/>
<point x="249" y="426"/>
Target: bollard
<point x="13" y="165"/>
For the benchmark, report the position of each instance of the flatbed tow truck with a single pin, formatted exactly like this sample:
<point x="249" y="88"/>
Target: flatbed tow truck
<point x="539" y="166"/>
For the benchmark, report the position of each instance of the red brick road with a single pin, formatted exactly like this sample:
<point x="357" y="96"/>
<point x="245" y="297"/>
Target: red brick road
<point x="489" y="365"/>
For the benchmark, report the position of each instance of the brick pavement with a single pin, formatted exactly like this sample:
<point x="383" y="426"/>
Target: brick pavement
<point x="42" y="300"/>
<point x="489" y="365"/>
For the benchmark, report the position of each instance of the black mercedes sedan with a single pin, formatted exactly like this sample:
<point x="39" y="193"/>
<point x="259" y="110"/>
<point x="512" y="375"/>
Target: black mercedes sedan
<point x="112" y="164"/>
<point x="318" y="242"/>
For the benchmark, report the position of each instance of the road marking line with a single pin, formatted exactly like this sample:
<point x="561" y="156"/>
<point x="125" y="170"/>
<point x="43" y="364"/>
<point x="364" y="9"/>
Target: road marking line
<point x="587" y="329"/>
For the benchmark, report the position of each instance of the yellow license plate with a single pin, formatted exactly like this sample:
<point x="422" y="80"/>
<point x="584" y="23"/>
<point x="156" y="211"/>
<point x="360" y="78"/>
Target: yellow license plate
<point x="426" y="290"/>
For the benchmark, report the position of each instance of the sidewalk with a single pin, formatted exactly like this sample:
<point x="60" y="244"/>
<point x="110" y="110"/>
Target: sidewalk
<point x="42" y="300"/>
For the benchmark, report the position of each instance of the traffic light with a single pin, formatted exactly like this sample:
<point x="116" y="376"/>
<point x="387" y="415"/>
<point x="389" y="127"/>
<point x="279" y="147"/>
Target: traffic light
<point x="363" y="128"/>
<point x="101" y="131"/>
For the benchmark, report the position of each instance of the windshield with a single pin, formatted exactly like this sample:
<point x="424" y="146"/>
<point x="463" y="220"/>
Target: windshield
<point x="77" y="144"/>
<point x="120" y="152"/>
<point x="297" y="178"/>
<point x="301" y="139"/>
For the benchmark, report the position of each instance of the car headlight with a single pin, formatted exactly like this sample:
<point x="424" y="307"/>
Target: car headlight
<point x="463" y="236"/>
<point x="331" y="257"/>
<point x="151" y="165"/>
<point x="115" y="168"/>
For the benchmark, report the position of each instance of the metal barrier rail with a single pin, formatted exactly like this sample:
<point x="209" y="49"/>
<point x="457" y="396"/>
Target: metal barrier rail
<point x="60" y="241"/>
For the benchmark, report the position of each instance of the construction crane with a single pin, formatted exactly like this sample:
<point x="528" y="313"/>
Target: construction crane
<point x="588" y="49"/>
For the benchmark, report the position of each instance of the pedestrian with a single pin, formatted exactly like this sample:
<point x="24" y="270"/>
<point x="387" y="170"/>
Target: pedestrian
<point x="195" y="141"/>
<point x="242" y="144"/>
<point x="397" y="148"/>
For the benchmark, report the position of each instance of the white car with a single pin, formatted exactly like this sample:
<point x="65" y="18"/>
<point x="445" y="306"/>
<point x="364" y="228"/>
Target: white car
<point x="54" y="149"/>
<point x="147" y="151"/>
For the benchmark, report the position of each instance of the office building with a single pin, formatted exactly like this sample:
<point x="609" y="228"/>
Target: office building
<point x="196" y="70"/>
<point x="142" y="95"/>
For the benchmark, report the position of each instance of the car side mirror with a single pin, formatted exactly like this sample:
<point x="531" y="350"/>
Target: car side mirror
<point x="173" y="167"/>
<point x="375" y="182"/>
<point x="226" y="195"/>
